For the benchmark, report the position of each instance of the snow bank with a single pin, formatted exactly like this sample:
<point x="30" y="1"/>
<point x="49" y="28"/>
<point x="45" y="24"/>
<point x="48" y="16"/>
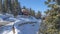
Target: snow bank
<point x="22" y="24"/>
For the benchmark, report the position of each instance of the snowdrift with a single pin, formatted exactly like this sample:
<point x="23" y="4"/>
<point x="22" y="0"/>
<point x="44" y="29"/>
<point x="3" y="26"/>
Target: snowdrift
<point x="20" y="25"/>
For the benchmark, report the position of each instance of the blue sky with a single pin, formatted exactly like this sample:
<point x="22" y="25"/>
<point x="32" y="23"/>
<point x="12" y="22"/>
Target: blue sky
<point x="34" y="4"/>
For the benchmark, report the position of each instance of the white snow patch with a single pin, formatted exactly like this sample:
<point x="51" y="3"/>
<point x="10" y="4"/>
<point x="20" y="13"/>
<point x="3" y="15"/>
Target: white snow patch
<point x="22" y="24"/>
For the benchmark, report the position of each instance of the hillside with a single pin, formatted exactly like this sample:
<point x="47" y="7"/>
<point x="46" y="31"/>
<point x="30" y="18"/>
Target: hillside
<point x="20" y="25"/>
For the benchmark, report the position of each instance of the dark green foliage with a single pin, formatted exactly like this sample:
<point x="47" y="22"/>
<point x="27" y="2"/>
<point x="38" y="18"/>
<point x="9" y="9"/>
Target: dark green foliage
<point x="38" y="15"/>
<point x="58" y="2"/>
<point x="32" y="12"/>
<point x="10" y="6"/>
<point x="0" y="6"/>
<point x="51" y="24"/>
<point x="14" y="7"/>
<point x="24" y="7"/>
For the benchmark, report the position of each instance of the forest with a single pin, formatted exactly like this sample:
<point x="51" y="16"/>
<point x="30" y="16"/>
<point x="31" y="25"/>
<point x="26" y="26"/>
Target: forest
<point x="14" y="7"/>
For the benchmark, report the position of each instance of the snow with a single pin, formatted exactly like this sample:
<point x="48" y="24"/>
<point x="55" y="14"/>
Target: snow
<point x="22" y="24"/>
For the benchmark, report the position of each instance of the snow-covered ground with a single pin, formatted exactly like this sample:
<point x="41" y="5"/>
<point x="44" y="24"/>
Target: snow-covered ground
<point x="20" y="25"/>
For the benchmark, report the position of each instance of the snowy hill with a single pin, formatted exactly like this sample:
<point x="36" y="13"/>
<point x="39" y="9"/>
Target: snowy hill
<point x="20" y="25"/>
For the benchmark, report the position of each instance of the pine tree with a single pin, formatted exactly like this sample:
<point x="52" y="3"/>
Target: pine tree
<point x="52" y="20"/>
<point x="38" y="15"/>
<point x="5" y="5"/>
<point x="12" y="7"/>
<point x="9" y="7"/>
<point x="16" y="8"/>
<point x="0" y="6"/>
<point x="32" y="12"/>
<point x="19" y="9"/>
<point x="24" y="7"/>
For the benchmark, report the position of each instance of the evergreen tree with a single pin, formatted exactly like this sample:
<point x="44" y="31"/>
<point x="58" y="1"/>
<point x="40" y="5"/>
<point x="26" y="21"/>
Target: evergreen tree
<point x="5" y="5"/>
<point x="20" y="9"/>
<point x="32" y="12"/>
<point x="52" y="20"/>
<point x="9" y="7"/>
<point x="0" y="6"/>
<point x="38" y="15"/>
<point x="24" y="7"/>
<point x="13" y="8"/>
<point x="16" y="8"/>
